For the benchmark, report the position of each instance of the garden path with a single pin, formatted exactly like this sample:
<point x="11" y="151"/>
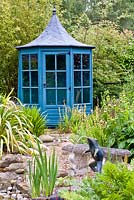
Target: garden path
<point x="54" y="139"/>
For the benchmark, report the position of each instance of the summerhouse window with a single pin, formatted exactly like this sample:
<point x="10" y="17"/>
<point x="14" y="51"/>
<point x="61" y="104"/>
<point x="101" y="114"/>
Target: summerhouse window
<point x="56" y="88"/>
<point x="81" y="78"/>
<point x="30" y="78"/>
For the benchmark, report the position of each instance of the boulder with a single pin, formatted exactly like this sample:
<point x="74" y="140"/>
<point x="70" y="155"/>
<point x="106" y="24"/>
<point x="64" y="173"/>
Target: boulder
<point x="10" y="158"/>
<point x="15" y="166"/>
<point x="23" y="187"/>
<point x="46" y="138"/>
<point x="42" y="146"/>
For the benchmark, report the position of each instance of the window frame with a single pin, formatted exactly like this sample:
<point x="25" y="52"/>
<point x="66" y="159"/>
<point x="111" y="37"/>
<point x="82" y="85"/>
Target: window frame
<point x="30" y="86"/>
<point x="82" y="86"/>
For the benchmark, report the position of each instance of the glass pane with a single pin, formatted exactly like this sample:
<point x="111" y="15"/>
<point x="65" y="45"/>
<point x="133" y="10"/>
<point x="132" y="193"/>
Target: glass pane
<point x="25" y="78"/>
<point x="61" y="97"/>
<point x="34" y="93"/>
<point x="61" y="79"/>
<point x="61" y="62"/>
<point x="50" y="62"/>
<point x="25" y="62"/>
<point x="86" y="79"/>
<point x="85" y="61"/>
<point x="34" y="61"/>
<point x="50" y="79"/>
<point x="77" y="61"/>
<point x="34" y="79"/>
<point x="77" y="95"/>
<point x="77" y="78"/>
<point x="26" y="95"/>
<point x="86" y="95"/>
<point x="51" y="97"/>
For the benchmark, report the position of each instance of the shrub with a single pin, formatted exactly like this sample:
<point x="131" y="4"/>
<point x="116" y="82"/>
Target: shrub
<point x="115" y="182"/>
<point x="36" y="119"/>
<point x="71" y="119"/>
<point x="14" y="127"/>
<point x="112" y="124"/>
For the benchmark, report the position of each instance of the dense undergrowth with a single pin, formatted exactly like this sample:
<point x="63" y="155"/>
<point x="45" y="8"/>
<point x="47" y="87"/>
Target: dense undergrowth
<point x="19" y="126"/>
<point x="114" y="183"/>
<point x="112" y="123"/>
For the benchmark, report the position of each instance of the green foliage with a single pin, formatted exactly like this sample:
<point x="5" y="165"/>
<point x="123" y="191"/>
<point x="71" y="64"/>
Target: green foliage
<point x="112" y="124"/>
<point x="120" y="12"/>
<point x="92" y="22"/>
<point x="71" y="119"/>
<point x="36" y="119"/>
<point x="113" y="56"/>
<point x="20" y="22"/>
<point x="66" y="181"/>
<point x="115" y="183"/>
<point x="42" y="175"/>
<point x="14" y="127"/>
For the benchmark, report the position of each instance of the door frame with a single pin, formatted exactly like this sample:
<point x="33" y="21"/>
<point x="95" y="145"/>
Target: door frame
<point x="68" y="71"/>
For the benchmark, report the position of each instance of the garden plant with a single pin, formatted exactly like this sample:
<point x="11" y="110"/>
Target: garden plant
<point x="43" y="173"/>
<point x="115" y="182"/>
<point x="18" y="125"/>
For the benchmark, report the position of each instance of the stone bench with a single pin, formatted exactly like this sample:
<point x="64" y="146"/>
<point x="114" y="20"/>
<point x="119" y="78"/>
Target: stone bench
<point x="79" y="160"/>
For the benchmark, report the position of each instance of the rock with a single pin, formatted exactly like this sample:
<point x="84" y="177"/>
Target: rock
<point x="15" y="166"/>
<point x="19" y="197"/>
<point x="3" y="191"/>
<point x="13" y="182"/>
<point x="46" y="138"/>
<point x="17" y="191"/>
<point x="6" y="177"/>
<point x="14" y="196"/>
<point x="9" y="188"/>
<point x="20" y="171"/>
<point x="10" y="158"/>
<point x="62" y="173"/>
<point x="77" y="161"/>
<point x="65" y="152"/>
<point x="42" y="146"/>
<point x="23" y="187"/>
<point x="5" y="196"/>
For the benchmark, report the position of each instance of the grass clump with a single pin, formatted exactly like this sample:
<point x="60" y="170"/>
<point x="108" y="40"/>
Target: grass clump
<point x="114" y="183"/>
<point x="36" y="119"/>
<point x="19" y="126"/>
<point x="43" y="173"/>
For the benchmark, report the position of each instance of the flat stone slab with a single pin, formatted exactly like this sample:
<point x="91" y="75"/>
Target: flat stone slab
<point x="81" y="148"/>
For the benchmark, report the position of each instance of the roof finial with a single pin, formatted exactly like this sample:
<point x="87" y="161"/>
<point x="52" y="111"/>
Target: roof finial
<point x="54" y="10"/>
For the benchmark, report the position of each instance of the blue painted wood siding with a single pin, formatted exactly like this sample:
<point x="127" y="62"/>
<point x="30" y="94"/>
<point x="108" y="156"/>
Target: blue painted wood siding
<point x="52" y="111"/>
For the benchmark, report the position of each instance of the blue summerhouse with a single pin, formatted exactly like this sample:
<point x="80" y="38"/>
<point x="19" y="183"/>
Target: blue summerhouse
<point x="55" y="71"/>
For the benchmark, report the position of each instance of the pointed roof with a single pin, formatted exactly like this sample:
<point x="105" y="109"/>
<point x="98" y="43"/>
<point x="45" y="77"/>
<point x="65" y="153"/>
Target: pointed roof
<point x="54" y="35"/>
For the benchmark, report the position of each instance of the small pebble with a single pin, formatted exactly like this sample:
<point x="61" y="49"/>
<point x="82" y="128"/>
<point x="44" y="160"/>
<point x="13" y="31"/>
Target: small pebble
<point x="25" y="195"/>
<point x="19" y="197"/>
<point x="14" y="196"/>
<point x="6" y="196"/>
<point x="9" y="188"/>
<point x="3" y="191"/>
<point x="2" y="194"/>
<point x="14" y="188"/>
<point x="17" y="191"/>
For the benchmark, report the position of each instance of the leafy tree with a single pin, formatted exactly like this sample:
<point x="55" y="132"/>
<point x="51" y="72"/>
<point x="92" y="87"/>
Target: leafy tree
<point x="113" y="56"/>
<point x="20" y="22"/>
<point x="120" y="12"/>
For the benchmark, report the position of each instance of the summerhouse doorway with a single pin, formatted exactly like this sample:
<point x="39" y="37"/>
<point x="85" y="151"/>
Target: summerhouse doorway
<point x="56" y="88"/>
